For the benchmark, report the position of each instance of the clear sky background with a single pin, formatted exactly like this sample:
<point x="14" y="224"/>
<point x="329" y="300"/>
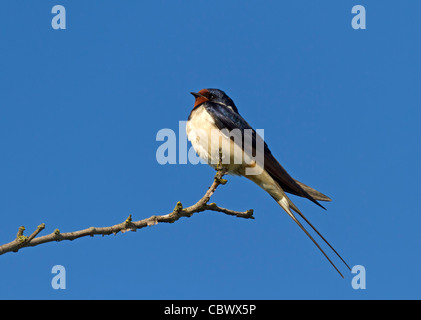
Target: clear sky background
<point x="79" y="113"/>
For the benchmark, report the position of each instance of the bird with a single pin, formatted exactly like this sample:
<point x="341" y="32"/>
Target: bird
<point x="209" y="126"/>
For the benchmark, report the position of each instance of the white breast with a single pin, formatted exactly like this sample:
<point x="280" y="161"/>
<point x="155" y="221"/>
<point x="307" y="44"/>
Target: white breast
<point x="207" y="140"/>
<point x="199" y="128"/>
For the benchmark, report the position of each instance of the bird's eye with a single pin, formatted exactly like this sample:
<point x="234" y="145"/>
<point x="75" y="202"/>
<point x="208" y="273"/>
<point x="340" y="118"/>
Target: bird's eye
<point x="211" y="97"/>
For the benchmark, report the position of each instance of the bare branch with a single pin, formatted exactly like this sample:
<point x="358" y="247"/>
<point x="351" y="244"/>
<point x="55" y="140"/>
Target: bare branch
<point x="22" y="241"/>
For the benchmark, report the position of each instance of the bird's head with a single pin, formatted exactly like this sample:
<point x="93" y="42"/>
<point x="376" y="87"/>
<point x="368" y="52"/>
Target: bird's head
<point x="215" y="96"/>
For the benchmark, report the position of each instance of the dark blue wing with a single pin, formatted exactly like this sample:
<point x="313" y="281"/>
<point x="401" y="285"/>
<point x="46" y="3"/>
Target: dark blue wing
<point x="227" y="119"/>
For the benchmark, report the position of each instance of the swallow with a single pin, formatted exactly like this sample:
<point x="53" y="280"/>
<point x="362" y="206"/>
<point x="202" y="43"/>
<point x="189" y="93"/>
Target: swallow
<point x="215" y="112"/>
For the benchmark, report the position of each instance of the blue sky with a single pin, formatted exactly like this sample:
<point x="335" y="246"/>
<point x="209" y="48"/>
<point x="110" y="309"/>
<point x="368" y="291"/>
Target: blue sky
<point x="79" y="113"/>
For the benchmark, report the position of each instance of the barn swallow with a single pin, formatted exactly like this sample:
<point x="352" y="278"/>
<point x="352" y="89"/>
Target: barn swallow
<point x="214" y="111"/>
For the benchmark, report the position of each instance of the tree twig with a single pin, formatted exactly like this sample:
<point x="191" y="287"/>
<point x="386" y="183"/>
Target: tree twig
<point x="22" y="241"/>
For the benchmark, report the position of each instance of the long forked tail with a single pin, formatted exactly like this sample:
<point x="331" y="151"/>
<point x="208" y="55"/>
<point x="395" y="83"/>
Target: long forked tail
<point x="287" y="205"/>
